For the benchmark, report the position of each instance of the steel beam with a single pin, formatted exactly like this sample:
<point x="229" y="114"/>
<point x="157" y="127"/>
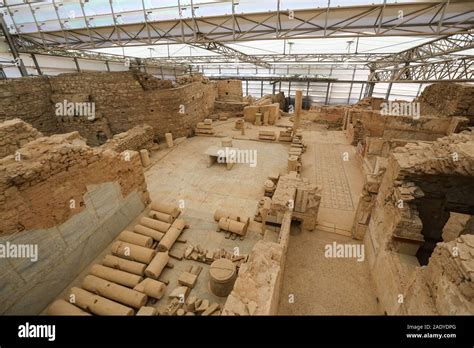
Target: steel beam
<point x="421" y="18"/>
<point x="88" y="55"/>
<point x="443" y="46"/>
<point x="228" y="52"/>
<point x="273" y="79"/>
<point x="281" y="59"/>
<point x="457" y="70"/>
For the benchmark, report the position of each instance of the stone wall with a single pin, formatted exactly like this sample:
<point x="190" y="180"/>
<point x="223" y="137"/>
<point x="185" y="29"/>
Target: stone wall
<point x="29" y="99"/>
<point x="447" y="99"/>
<point x="446" y="285"/>
<point x="122" y="100"/>
<point x="150" y="82"/>
<point x="370" y="103"/>
<point x="403" y="127"/>
<point x="423" y="182"/>
<point x="378" y="136"/>
<point x="14" y="134"/>
<point x="229" y="90"/>
<point x="257" y="288"/>
<point x="332" y="115"/>
<point x="272" y="109"/>
<point x="135" y="139"/>
<point x="67" y="200"/>
<point x="36" y="191"/>
<point x="230" y="98"/>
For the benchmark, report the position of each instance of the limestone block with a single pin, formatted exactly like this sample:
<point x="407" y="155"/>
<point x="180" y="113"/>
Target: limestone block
<point x="222" y="275"/>
<point x="161" y="216"/>
<point x="233" y="226"/>
<point x="166" y="208"/>
<point x="187" y="279"/>
<point x="169" y="140"/>
<point x="145" y="158"/>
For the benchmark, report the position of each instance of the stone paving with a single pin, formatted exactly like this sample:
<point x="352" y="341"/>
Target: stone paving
<point x="330" y="174"/>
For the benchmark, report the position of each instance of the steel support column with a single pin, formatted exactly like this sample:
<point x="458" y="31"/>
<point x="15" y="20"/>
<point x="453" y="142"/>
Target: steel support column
<point x="13" y="47"/>
<point x="37" y="67"/>
<point x="327" y="94"/>
<point x="78" y="68"/>
<point x="389" y="89"/>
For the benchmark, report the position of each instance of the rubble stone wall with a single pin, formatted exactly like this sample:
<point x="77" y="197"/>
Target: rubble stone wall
<point x="419" y="175"/>
<point x="36" y="192"/>
<point x="331" y="115"/>
<point x="122" y="100"/>
<point x="28" y="98"/>
<point x="447" y="99"/>
<point x="14" y="134"/>
<point x="135" y="139"/>
<point x="371" y="103"/>
<point x="404" y="127"/>
<point x="229" y="90"/>
<point x="257" y="288"/>
<point x="67" y="200"/>
<point x="446" y="285"/>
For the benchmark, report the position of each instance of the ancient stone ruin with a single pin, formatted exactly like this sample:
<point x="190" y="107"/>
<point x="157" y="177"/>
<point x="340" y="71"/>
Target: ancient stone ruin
<point x="134" y="195"/>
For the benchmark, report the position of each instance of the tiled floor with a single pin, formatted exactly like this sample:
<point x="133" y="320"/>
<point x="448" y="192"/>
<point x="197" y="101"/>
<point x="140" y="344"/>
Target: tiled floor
<point x="330" y="174"/>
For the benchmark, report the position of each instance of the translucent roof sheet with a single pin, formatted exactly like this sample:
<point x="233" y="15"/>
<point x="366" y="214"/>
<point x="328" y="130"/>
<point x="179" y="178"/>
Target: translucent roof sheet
<point x="49" y="15"/>
<point x="51" y="18"/>
<point x="301" y="46"/>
